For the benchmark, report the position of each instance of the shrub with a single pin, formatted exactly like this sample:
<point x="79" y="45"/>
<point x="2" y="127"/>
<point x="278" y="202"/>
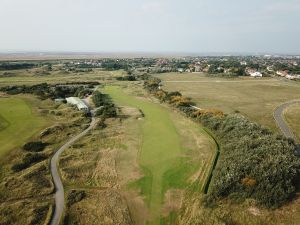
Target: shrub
<point x="107" y="111"/>
<point x="28" y="160"/>
<point x="75" y="196"/>
<point x="253" y="163"/>
<point x="36" y="146"/>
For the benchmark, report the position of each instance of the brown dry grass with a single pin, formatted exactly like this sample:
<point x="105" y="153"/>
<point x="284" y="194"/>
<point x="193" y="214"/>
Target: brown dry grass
<point x="254" y="98"/>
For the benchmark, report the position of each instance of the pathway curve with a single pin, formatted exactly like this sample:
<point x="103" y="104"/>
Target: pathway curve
<point x="278" y="116"/>
<point x="59" y="188"/>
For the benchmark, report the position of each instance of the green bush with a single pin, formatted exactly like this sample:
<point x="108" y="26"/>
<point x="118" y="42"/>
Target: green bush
<point x="107" y="111"/>
<point x="254" y="163"/>
<point x="35" y="146"/>
<point x="28" y="160"/>
<point x="75" y="196"/>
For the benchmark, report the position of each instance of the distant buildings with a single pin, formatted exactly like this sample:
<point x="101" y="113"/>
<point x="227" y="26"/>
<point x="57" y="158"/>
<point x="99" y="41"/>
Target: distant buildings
<point x="78" y="102"/>
<point x="253" y="73"/>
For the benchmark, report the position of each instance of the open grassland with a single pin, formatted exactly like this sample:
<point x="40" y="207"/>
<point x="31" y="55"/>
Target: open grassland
<point x="57" y="75"/>
<point x="18" y="122"/>
<point x="167" y="158"/>
<point x="254" y="98"/>
<point x="292" y="116"/>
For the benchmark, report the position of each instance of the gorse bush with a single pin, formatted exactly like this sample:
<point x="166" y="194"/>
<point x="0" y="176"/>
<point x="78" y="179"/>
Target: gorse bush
<point x="35" y="146"/>
<point x="29" y="160"/>
<point x="254" y="163"/>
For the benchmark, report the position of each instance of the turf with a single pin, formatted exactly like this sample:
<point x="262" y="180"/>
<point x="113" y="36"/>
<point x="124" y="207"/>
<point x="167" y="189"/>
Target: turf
<point x="17" y="123"/>
<point x="160" y="143"/>
<point x="254" y="98"/>
<point x="162" y="149"/>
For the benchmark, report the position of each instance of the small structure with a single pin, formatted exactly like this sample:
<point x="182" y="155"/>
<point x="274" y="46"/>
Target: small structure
<point x="78" y="102"/>
<point x="180" y="70"/>
<point x="256" y="74"/>
<point x="59" y="100"/>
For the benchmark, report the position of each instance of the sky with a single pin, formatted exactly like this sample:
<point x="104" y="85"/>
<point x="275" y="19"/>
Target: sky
<point x="195" y="26"/>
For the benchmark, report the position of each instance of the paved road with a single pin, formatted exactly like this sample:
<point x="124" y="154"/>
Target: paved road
<point x="278" y="116"/>
<point x="59" y="188"/>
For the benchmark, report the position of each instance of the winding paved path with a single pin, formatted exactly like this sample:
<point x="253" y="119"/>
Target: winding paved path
<point x="59" y="188"/>
<point x="278" y="116"/>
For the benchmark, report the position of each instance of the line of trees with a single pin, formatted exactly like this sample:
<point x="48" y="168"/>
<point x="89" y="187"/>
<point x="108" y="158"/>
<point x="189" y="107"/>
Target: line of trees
<point x="16" y="66"/>
<point x="254" y="162"/>
<point x="45" y="91"/>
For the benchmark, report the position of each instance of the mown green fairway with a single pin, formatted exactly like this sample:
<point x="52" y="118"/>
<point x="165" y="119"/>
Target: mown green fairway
<point x="161" y="151"/>
<point x="160" y="143"/>
<point x="17" y="123"/>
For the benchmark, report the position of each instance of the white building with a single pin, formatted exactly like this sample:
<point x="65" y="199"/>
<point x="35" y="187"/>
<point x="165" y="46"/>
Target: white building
<point x="180" y="70"/>
<point x="78" y="102"/>
<point x="256" y="74"/>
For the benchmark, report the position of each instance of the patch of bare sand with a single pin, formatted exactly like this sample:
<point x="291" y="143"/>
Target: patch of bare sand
<point x="254" y="211"/>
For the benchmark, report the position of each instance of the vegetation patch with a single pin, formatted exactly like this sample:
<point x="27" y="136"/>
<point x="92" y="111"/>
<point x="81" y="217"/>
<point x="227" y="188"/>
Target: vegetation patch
<point x="75" y="196"/>
<point x="28" y="160"/>
<point x="35" y="146"/>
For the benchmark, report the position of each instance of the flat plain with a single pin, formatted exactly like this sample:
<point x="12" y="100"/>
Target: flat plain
<point x="255" y="98"/>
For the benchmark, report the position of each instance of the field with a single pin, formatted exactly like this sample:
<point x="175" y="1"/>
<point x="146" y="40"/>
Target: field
<point x="254" y="98"/>
<point x="292" y="116"/>
<point x="161" y="153"/>
<point x="57" y="75"/>
<point x="17" y="123"/>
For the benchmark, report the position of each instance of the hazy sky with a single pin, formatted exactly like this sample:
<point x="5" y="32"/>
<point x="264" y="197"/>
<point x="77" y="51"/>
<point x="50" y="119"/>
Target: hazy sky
<point x="149" y="25"/>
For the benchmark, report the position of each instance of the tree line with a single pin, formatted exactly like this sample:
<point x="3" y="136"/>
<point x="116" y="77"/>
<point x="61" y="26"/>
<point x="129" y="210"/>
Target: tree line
<point x="45" y="90"/>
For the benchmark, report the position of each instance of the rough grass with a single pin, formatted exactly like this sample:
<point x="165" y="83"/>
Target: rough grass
<point x="292" y="116"/>
<point x="20" y="123"/>
<point x="255" y="98"/>
<point x="164" y="155"/>
<point x="228" y="212"/>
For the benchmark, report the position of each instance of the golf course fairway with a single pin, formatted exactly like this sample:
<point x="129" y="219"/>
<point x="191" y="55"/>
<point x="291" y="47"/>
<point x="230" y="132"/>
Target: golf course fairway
<point x="17" y="123"/>
<point x="160" y="148"/>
